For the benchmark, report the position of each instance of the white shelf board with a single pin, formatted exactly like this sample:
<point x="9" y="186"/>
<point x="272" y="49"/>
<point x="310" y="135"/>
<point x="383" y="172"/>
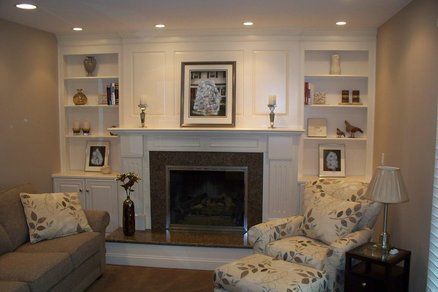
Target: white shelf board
<point x="91" y="137"/>
<point x="335" y="76"/>
<point x="337" y="106"/>
<point x="358" y="139"/>
<point x="104" y="106"/>
<point x="90" y="77"/>
<point x="84" y="174"/>
<point x="193" y="130"/>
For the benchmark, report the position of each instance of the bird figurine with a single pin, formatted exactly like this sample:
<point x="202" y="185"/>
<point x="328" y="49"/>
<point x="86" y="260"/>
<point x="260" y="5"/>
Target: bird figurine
<point x="340" y="133"/>
<point x="352" y="129"/>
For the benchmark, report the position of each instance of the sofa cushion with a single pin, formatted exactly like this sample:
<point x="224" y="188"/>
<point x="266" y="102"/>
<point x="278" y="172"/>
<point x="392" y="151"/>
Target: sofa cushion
<point x="13" y="286"/>
<point x="79" y="246"/>
<point x="5" y="242"/>
<point x="300" y="250"/>
<point x="12" y="216"/>
<point x="328" y="219"/>
<point x="53" y="215"/>
<point x="41" y="271"/>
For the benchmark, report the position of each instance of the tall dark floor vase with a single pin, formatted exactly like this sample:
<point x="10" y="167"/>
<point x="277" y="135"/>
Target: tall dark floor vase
<point x="128" y="217"/>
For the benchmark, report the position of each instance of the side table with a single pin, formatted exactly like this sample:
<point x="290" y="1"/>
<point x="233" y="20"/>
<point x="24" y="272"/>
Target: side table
<point x="368" y="268"/>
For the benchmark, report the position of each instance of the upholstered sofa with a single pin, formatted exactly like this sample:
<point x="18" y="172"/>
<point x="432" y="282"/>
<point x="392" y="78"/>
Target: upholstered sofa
<point x="69" y="263"/>
<point x="289" y="239"/>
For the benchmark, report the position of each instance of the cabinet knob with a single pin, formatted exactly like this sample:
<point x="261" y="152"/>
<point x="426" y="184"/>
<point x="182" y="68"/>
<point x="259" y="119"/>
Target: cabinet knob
<point x="80" y="190"/>
<point x="87" y="190"/>
<point x="364" y="284"/>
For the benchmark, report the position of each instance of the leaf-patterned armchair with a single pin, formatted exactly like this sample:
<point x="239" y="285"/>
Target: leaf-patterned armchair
<point x="336" y="219"/>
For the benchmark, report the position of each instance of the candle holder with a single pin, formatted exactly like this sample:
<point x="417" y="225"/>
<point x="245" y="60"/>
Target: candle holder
<point x="271" y="115"/>
<point x="142" y="107"/>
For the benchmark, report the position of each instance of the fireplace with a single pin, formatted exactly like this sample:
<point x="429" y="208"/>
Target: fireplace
<point x="205" y="190"/>
<point x="206" y="197"/>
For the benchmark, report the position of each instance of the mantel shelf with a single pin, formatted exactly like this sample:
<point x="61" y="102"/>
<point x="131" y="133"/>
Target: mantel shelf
<point x="145" y="131"/>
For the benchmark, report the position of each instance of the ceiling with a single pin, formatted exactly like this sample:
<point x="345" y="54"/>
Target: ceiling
<point x="131" y="16"/>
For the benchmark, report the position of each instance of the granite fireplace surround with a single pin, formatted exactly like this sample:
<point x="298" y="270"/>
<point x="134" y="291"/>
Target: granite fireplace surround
<point x="158" y="160"/>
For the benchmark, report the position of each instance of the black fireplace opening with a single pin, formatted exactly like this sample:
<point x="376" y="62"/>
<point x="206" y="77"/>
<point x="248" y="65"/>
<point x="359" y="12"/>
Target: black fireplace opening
<point x="206" y="198"/>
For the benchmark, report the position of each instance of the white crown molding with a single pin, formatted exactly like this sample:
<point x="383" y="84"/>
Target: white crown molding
<point x="247" y="35"/>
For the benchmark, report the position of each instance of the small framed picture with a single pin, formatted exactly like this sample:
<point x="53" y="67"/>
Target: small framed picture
<point x="97" y="155"/>
<point x="316" y="127"/>
<point x="332" y="160"/>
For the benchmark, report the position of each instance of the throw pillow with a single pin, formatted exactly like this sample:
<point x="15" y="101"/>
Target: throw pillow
<point x="328" y="219"/>
<point x="53" y="215"/>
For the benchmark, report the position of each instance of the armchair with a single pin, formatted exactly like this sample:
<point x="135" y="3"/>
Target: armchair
<point x="320" y="240"/>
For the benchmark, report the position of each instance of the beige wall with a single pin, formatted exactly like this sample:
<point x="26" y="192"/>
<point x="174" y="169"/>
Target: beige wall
<point x="29" y="144"/>
<point x="406" y="100"/>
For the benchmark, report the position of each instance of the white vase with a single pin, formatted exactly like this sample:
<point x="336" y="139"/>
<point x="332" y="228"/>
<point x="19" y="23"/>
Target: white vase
<point x="335" y="65"/>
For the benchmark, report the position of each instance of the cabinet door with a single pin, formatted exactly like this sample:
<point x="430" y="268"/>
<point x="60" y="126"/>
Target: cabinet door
<point x="70" y="185"/>
<point x="102" y="195"/>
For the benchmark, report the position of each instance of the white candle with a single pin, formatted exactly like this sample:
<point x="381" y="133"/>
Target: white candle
<point x="76" y="125"/>
<point x="272" y="99"/>
<point x="143" y="99"/>
<point x="382" y="159"/>
<point x="86" y="125"/>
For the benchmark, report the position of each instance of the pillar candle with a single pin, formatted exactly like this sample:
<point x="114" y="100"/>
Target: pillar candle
<point x="272" y="99"/>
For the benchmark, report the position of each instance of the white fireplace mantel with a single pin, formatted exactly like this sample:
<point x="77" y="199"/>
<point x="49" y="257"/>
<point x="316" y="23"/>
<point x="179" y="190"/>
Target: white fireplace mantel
<point x="191" y="130"/>
<point x="280" y="163"/>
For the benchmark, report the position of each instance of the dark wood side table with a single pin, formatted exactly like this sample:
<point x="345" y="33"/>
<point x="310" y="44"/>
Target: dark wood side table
<point x="367" y="268"/>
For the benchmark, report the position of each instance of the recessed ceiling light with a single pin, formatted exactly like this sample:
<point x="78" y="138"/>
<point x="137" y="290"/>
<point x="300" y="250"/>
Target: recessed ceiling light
<point x="341" y="23"/>
<point x="248" y="23"/>
<point x="26" y="6"/>
<point x="77" y="28"/>
<point x="160" y="25"/>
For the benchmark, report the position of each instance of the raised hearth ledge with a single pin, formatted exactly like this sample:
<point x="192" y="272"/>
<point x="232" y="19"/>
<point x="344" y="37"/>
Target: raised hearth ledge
<point x="142" y="131"/>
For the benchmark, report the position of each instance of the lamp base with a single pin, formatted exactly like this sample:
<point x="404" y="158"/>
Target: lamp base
<point x="383" y="242"/>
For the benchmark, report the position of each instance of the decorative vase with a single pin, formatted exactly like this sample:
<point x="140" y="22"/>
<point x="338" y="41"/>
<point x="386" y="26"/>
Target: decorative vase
<point x="335" y="65"/>
<point x="80" y="98"/>
<point x="90" y="65"/>
<point x="128" y="217"/>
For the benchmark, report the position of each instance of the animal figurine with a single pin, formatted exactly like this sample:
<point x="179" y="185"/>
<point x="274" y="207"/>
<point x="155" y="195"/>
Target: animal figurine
<point x="352" y="129"/>
<point x="339" y="133"/>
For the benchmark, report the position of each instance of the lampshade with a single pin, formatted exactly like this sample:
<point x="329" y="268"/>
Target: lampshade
<point x="387" y="186"/>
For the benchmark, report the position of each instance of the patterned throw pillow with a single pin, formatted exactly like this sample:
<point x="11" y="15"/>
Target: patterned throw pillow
<point x="53" y="215"/>
<point x="328" y="219"/>
<point x="348" y="190"/>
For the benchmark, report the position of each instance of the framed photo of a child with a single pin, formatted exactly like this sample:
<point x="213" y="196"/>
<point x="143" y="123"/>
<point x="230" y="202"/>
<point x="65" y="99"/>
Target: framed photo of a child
<point x="97" y="156"/>
<point x="332" y="160"/>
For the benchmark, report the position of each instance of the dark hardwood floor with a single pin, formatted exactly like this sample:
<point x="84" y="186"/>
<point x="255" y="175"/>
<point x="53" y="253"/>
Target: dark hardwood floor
<point x="129" y="278"/>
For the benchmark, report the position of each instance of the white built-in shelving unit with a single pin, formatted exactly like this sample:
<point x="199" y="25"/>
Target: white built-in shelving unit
<point x="357" y="73"/>
<point x="73" y="76"/>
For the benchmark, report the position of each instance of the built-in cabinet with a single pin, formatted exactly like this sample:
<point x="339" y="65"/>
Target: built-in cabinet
<point x="357" y="73"/>
<point x="95" y="194"/>
<point x="97" y="191"/>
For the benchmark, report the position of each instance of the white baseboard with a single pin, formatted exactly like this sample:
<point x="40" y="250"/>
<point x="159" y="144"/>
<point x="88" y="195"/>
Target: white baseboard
<point x="171" y="256"/>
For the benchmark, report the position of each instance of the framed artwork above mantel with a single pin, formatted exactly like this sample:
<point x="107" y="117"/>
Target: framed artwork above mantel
<point x="208" y="94"/>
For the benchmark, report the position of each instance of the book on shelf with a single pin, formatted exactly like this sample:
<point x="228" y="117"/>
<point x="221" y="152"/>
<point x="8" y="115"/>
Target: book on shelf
<point x="112" y="93"/>
<point x="309" y="91"/>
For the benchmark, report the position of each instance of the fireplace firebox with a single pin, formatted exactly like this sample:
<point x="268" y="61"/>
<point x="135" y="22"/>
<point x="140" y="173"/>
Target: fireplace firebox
<point x="206" y="197"/>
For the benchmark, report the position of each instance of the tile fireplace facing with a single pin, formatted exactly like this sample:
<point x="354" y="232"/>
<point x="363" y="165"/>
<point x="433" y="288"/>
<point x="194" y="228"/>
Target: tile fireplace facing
<point x="205" y="190"/>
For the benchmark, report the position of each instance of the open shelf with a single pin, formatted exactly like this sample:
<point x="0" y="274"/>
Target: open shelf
<point x="91" y="77"/>
<point x="358" y="139"/>
<point x="337" y="105"/>
<point x="103" y="106"/>
<point x="91" y="136"/>
<point x="336" y="76"/>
